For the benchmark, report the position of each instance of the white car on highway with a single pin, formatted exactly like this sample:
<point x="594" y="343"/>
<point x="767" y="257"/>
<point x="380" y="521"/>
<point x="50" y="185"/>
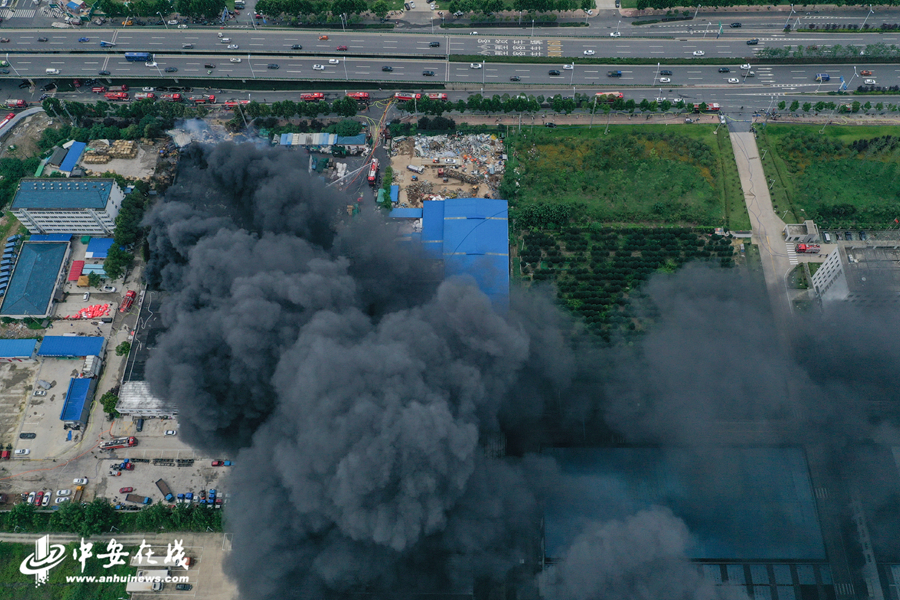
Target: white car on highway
<point x="234" y="60"/>
<point x="173" y="22"/>
<point x="474" y="65"/>
<point x="733" y="80"/>
<point x="745" y="66"/>
<point x="665" y="80"/>
<point x="150" y="63"/>
<point x="182" y="26"/>
<point x="318" y="67"/>
<point x="869" y="82"/>
<point x="334" y="61"/>
<point x="615" y="34"/>
<point x="80" y="481"/>
<point x="146" y="89"/>
<point x="699" y="53"/>
<point x="225" y="40"/>
<point x="588" y="52"/>
<point x="568" y="67"/>
<point x="232" y="46"/>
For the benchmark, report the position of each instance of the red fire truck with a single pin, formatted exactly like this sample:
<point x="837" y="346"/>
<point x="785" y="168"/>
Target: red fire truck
<point x="373" y="171"/>
<point x="438" y="97"/>
<point x="117" y="96"/>
<point x="312" y="97"/>
<point x="361" y="96"/>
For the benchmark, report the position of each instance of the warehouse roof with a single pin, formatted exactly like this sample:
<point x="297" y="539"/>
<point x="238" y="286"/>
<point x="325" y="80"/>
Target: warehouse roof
<point x="58" y="156"/>
<point x="54" y="193"/>
<point x="51" y="237"/>
<point x="76" y="398"/>
<point x="472" y="237"/>
<point x="75" y="152"/>
<point x="406" y="213"/>
<point x="17" y="348"/>
<point x="70" y="346"/>
<point x="34" y="280"/>
<point x="738" y="503"/>
<point x="98" y="247"/>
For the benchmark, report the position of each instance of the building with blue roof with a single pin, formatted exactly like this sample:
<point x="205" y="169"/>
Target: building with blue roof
<point x="69" y="206"/>
<point x="72" y="157"/>
<point x="98" y="248"/>
<point x="37" y="272"/>
<point x="471" y="237"/>
<point x="77" y="406"/>
<point x="17" y="350"/>
<point x="71" y="346"/>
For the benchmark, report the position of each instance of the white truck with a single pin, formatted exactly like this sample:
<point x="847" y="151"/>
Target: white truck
<point x="416" y="169"/>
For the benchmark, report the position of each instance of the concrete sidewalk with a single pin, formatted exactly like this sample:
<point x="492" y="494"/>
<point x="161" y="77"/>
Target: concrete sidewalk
<point x="767" y="226"/>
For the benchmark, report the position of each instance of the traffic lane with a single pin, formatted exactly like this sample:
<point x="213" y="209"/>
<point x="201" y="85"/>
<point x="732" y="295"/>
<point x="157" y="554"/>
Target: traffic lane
<point x="208" y="40"/>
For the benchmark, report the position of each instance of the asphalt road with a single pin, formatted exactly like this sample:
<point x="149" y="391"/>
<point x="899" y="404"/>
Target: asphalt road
<point x="275" y="41"/>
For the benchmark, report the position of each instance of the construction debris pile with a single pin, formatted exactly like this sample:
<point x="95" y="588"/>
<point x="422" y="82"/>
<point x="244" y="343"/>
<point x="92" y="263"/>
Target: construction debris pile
<point x="481" y="154"/>
<point x="418" y="191"/>
<point x="103" y="151"/>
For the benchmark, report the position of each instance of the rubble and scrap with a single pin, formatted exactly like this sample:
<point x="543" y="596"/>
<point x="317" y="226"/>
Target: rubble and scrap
<point x="103" y="151"/>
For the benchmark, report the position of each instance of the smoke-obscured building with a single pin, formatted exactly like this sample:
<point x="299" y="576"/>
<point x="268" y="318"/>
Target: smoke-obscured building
<point x="868" y="274"/>
<point x="135" y="398"/>
<point x="79" y="206"/>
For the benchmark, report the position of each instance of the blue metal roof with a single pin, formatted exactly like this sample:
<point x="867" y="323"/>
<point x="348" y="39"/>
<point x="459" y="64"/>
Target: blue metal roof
<point x="351" y="140"/>
<point x="286" y="139"/>
<point x="71" y="346"/>
<point x="395" y="194"/>
<point x="406" y="213"/>
<point x="17" y="348"/>
<point x="75" y="152"/>
<point x="473" y="234"/>
<point x="34" y="279"/>
<point x="749" y="503"/>
<point x="76" y="400"/>
<point x="62" y="193"/>
<point x="99" y="247"/>
<point x="51" y="237"/>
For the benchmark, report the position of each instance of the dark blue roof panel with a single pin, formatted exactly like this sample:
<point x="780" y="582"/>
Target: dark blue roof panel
<point x="53" y="193"/>
<point x="99" y="247"/>
<point x="76" y="398"/>
<point x="406" y="213"/>
<point x="51" y="237"/>
<point x="75" y="152"/>
<point x="71" y="346"/>
<point x="34" y="279"/>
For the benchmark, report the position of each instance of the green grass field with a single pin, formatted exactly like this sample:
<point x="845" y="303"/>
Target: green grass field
<point x="642" y="174"/>
<point x="845" y="177"/>
<point x="16" y="586"/>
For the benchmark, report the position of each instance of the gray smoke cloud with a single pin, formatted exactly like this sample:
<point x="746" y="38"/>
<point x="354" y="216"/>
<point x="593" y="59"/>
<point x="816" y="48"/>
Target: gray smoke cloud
<point x="356" y="390"/>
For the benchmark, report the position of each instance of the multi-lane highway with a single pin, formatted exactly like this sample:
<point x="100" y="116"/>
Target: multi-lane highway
<point x="353" y="68"/>
<point x="276" y="41"/>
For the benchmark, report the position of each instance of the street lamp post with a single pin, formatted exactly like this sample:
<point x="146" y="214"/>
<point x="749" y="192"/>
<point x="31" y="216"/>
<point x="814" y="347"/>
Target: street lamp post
<point x="869" y="14"/>
<point x="12" y="65"/>
<point x="696" y="11"/>
<point x="532" y="28"/>
<point x="708" y="23"/>
<point x="482" y="77"/>
<point x="789" y="17"/>
<point x="572" y="82"/>
<point x="249" y="62"/>
<point x="432" y="25"/>
<point x="163" y="19"/>
<point x="346" y="76"/>
<point x="617" y="26"/>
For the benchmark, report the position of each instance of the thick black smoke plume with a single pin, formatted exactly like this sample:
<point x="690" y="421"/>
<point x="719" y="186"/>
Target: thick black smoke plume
<point x="357" y="392"/>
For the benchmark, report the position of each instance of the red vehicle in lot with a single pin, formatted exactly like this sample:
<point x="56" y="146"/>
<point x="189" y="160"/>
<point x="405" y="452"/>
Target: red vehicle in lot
<point x="128" y="301"/>
<point x="218" y="463"/>
<point x="117" y="96"/>
<point x="203" y="99"/>
<point x="5" y="455"/>
<point x="171" y="97"/>
<point x="438" y="96"/>
<point x="126" y="490"/>
<point x="99" y="89"/>
<point x="404" y="96"/>
<point x="312" y="97"/>
<point x="341" y="48"/>
<point x="361" y="96"/>
<point x="38" y="497"/>
<point x="145" y="96"/>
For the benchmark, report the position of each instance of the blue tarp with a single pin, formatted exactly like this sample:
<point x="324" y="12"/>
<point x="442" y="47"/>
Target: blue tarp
<point x="76" y="405"/>
<point x="352" y="140"/>
<point x="395" y="194"/>
<point x="406" y="213"/>
<point x="51" y="237"/>
<point x="75" y="151"/>
<point x="71" y="346"/>
<point x="17" y="348"/>
<point x="99" y="247"/>
<point x="286" y="139"/>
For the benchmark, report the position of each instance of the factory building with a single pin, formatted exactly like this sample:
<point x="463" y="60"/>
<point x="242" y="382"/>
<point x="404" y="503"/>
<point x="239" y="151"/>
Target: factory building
<point x="36" y="274"/>
<point x="868" y="274"/>
<point x="75" y="206"/>
<point x="77" y="406"/>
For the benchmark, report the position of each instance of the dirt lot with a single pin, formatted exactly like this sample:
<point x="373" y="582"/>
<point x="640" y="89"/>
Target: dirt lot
<point x="141" y="167"/>
<point x="25" y="135"/>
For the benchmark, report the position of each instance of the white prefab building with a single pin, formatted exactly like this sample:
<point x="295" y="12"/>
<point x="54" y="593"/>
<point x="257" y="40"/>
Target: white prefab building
<point x="78" y="206"/>
<point x="868" y="275"/>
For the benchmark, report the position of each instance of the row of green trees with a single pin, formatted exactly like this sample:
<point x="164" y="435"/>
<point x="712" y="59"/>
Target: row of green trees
<point x="493" y="6"/>
<point x="99" y="516"/>
<point x="149" y="8"/>
<point x="316" y="10"/>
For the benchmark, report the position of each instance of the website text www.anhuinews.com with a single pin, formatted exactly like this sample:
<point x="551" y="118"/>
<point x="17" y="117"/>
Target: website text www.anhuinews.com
<point x="124" y="579"/>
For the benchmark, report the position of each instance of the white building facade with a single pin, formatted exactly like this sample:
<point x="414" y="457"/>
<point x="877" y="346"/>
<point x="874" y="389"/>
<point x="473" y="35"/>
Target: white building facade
<point x="78" y="206"/>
